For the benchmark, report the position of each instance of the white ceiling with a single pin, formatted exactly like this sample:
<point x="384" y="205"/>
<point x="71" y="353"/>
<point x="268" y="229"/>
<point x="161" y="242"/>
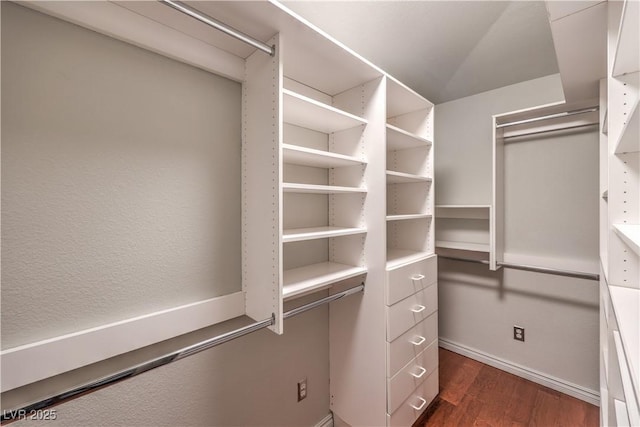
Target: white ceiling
<point x="444" y="50"/>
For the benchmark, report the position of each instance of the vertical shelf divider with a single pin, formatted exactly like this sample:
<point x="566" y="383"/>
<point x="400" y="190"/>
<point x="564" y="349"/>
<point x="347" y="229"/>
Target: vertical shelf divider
<point x="261" y="187"/>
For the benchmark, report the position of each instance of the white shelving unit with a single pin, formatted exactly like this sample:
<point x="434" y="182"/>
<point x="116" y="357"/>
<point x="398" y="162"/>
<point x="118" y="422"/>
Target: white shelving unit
<point x="409" y="131"/>
<point x="324" y="206"/>
<point x="620" y="220"/>
<point x="464" y="228"/>
<point x="304" y="163"/>
<point x="411" y="264"/>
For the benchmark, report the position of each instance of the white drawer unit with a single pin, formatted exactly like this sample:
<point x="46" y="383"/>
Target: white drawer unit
<point x="408" y="279"/>
<point x="416" y="403"/>
<point x="410" y="344"/>
<point x="412" y="339"/>
<point x="411" y="376"/>
<point x="410" y="311"/>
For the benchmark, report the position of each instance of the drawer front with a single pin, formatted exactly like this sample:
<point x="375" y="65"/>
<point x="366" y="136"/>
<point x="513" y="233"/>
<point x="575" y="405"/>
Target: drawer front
<point x="411" y="278"/>
<point x="410" y="344"/>
<point x="410" y="311"/>
<point x="416" y="403"/>
<point x="411" y="376"/>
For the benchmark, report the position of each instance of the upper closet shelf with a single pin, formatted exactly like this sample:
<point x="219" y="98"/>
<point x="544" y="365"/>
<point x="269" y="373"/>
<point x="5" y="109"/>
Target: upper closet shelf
<point x="402" y="178"/>
<point x="630" y="234"/>
<point x="314" y="277"/>
<point x="289" y="187"/>
<point x="627" y="56"/>
<point x="308" y="113"/>
<point x="297" y="155"/>
<point x="402" y="100"/>
<point x="312" y="233"/>
<point x="406" y="217"/>
<point x="400" y="139"/>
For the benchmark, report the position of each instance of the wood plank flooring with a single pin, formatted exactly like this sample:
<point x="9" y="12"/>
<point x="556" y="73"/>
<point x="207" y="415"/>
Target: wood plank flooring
<point x="475" y="394"/>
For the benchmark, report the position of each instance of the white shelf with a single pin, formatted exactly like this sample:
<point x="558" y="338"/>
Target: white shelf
<point x="629" y="139"/>
<point x="289" y="187"/>
<point x="312" y="233"/>
<point x="407" y="217"/>
<point x="630" y="234"/>
<point x="627" y="56"/>
<point x="394" y="177"/>
<point x="463" y="211"/>
<point x="302" y="280"/>
<point x="397" y="257"/>
<point x="400" y="139"/>
<point x="297" y="155"/>
<point x="308" y="113"/>
<point x="402" y="100"/>
<point x="463" y="246"/>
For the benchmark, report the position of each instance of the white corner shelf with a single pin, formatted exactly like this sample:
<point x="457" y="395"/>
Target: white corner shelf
<point x="463" y="246"/>
<point x="303" y="156"/>
<point x="629" y="139"/>
<point x="627" y="55"/>
<point x="398" y="257"/>
<point x="308" y="113"/>
<point x="400" y="139"/>
<point x="290" y="187"/>
<point x="404" y="217"/>
<point x="394" y="177"/>
<point x="630" y="234"/>
<point x="463" y="211"/>
<point x="312" y="233"/>
<point x="314" y="277"/>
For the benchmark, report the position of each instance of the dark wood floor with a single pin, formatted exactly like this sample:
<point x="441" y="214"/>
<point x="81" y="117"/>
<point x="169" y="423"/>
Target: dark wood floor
<point x="475" y="394"/>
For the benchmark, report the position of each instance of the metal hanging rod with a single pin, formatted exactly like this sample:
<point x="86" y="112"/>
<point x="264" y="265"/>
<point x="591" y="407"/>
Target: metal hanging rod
<point x="546" y="270"/>
<point x="8" y="415"/>
<point x="212" y="22"/>
<point x="550" y="116"/>
<point x="550" y="130"/>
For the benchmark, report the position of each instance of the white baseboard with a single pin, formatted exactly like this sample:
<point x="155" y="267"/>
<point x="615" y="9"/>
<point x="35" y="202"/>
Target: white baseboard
<point x="326" y="421"/>
<point x="579" y="392"/>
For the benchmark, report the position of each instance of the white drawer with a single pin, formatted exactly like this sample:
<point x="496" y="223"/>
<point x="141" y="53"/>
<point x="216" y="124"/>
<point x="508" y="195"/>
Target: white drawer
<point x="410" y="344"/>
<point x="411" y="376"/>
<point x="410" y="311"/>
<point x="408" y="279"/>
<point x="410" y="409"/>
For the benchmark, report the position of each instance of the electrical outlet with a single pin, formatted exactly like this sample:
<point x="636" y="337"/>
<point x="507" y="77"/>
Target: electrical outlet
<point x="302" y="389"/>
<point x="518" y="333"/>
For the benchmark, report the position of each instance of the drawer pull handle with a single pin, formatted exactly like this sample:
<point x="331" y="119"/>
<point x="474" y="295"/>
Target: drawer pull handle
<point x="418" y="308"/>
<point x="418" y="408"/>
<point x="417" y="277"/>
<point x="420" y="374"/>
<point x="419" y="341"/>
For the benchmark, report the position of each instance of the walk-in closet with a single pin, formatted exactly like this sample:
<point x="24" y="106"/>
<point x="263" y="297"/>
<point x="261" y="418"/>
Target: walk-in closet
<point x="320" y="213"/>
